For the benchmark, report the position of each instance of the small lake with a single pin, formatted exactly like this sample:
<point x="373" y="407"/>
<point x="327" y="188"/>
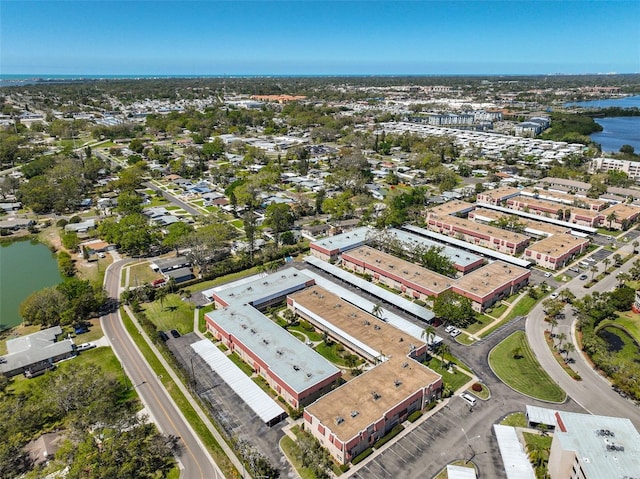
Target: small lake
<point x="25" y="267"/>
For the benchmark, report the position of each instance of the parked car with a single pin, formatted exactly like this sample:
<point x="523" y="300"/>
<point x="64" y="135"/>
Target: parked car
<point x="163" y="335"/>
<point x="175" y="333"/>
<point x="469" y="399"/>
<point x="85" y="346"/>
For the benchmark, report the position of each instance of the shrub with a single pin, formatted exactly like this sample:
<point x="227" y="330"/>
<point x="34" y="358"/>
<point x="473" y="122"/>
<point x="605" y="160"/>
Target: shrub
<point x="414" y="416"/>
<point x="362" y="456"/>
<point x="477" y="387"/>
<point x="397" y="429"/>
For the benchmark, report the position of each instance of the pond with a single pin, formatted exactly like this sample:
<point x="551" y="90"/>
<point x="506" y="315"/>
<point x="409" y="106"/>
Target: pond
<point x="619" y="342"/>
<point x="25" y="267"/>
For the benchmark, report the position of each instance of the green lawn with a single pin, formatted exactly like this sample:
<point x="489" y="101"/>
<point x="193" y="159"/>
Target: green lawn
<point x="289" y="448"/>
<point x="334" y="354"/>
<point x="481" y="321"/>
<point x="235" y="359"/>
<point x="173" y="313"/>
<point x="525" y="374"/>
<point x="522" y="307"/>
<point x="102" y="357"/>
<point x="455" y="380"/>
<point x="498" y="311"/>
<point x="305" y="328"/>
<point x="142" y="273"/>
<point x="224" y="279"/>
<point x="517" y="419"/>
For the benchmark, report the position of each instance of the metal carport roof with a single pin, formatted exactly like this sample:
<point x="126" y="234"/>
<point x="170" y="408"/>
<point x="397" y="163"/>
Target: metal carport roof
<point x="266" y="408"/>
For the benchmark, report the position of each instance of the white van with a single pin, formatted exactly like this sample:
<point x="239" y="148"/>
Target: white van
<point x="469" y="399"/>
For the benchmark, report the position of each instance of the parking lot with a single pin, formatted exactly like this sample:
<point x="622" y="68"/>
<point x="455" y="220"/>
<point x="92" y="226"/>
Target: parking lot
<point x="234" y="416"/>
<point x="452" y="433"/>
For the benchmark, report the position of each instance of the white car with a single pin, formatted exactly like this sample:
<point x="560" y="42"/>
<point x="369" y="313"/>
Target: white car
<point x="85" y="346"/>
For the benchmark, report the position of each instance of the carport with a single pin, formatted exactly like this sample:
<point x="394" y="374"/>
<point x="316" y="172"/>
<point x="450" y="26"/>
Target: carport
<point x="260" y="402"/>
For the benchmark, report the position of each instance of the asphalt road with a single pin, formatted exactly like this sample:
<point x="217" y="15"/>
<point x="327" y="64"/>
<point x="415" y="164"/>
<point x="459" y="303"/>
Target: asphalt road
<point x="173" y="199"/>
<point x="594" y="392"/>
<point x="194" y="459"/>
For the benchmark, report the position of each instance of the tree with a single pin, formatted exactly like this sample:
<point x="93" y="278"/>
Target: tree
<point x="428" y="334"/>
<point x="611" y="217"/>
<point x="593" y="270"/>
<point x="176" y="234"/>
<point x="443" y="350"/>
<point x="279" y="218"/>
<point x="569" y="347"/>
<point x="454" y="308"/>
<point x="44" y="307"/>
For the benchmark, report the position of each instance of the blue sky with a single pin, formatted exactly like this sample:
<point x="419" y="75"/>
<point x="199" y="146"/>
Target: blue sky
<point x="308" y="37"/>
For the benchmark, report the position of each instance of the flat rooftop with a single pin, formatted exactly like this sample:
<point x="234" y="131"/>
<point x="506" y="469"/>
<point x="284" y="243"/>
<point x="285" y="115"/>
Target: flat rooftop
<point x="500" y="193"/>
<point x="534" y="226"/>
<point x="605" y="446"/>
<point x="260" y="289"/>
<point x="557" y="245"/>
<point x="450" y="208"/>
<point x="553" y="207"/>
<point x="471" y="228"/>
<point x="366" y="398"/>
<point x="484" y="281"/>
<point x="457" y="256"/>
<point x="408" y="271"/>
<point x="291" y="360"/>
<point x="622" y="211"/>
<point x="343" y="241"/>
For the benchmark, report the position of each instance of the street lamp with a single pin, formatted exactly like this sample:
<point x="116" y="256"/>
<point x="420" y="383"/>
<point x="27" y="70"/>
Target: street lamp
<point x="473" y="453"/>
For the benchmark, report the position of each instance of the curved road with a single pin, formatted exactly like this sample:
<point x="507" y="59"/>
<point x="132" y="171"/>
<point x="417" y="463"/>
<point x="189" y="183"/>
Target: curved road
<point x="594" y="392"/>
<point x="194" y="459"/>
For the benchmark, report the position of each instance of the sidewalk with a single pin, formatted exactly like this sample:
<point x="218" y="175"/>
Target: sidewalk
<point x="201" y="414"/>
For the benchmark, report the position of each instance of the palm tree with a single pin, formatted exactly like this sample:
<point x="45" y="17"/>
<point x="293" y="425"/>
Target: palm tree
<point x="443" y="349"/>
<point x="594" y="270"/>
<point x="553" y="322"/>
<point x="611" y="217"/>
<point x="617" y="259"/>
<point x="561" y="337"/>
<point x="568" y="348"/>
<point x="161" y="294"/>
<point x="428" y="334"/>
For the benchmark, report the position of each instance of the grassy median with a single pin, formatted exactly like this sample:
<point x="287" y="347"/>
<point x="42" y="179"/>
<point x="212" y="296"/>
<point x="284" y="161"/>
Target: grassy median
<point x="514" y="363"/>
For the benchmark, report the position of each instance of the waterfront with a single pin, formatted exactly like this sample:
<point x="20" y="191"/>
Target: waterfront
<point x="25" y="267"/>
<point x="617" y="131"/>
